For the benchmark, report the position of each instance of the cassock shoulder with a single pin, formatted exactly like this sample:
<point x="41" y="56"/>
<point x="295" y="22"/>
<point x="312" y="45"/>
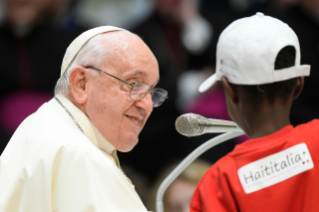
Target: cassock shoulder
<point x="82" y="178"/>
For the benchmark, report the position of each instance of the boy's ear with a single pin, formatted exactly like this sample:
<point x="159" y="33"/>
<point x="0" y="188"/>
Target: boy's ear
<point x="230" y="89"/>
<point x="299" y="87"/>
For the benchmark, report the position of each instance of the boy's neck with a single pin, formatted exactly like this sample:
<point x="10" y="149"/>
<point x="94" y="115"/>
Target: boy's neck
<point x="267" y="120"/>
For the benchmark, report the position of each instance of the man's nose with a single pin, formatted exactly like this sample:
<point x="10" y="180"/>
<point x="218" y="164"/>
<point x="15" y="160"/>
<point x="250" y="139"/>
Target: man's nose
<point x="146" y="103"/>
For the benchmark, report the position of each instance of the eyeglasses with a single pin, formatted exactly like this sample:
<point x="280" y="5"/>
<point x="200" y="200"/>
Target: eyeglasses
<point x="139" y="90"/>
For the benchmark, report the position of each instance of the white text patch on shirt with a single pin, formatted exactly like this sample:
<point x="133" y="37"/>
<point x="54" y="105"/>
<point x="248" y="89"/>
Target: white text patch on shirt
<point x="275" y="168"/>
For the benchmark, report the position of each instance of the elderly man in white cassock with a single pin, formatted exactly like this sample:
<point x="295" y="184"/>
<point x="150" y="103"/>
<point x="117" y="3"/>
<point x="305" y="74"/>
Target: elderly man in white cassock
<point x="63" y="157"/>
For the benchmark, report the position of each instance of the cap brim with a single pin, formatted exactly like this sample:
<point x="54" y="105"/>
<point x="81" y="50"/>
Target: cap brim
<point x="208" y="83"/>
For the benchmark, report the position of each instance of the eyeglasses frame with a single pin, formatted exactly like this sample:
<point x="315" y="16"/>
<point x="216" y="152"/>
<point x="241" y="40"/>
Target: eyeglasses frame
<point x="128" y="83"/>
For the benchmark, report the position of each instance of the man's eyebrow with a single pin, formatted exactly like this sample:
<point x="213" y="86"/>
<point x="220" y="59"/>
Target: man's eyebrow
<point x="141" y="73"/>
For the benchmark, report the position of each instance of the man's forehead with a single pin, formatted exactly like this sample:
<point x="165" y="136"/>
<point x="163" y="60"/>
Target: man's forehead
<point x="131" y="57"/>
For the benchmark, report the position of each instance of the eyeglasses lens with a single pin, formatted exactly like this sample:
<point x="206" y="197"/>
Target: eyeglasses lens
<point x="158" y="96"/>
<point x="139" y="91"/>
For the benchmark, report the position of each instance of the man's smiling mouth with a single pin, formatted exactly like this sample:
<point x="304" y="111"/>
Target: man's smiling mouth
<point x="134" y="119"/>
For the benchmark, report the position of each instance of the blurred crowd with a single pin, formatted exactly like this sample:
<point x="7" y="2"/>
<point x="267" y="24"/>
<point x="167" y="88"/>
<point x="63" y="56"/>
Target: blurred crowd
<point x="34" y="35"/>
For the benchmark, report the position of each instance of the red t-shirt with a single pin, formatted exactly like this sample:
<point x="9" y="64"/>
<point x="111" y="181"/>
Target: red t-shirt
<point x="274" y="173"/>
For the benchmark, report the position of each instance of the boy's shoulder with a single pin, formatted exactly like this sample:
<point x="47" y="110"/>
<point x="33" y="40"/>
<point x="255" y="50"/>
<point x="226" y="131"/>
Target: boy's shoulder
<point x="226" y="163"/>
<point x="223" y="166"/>
<point x="311" y="126"/>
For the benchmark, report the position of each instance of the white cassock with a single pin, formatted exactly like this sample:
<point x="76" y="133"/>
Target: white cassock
<point x="51" y="165"/>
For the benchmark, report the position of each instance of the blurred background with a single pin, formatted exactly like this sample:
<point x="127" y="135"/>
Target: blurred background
<point x="34" y="35"/>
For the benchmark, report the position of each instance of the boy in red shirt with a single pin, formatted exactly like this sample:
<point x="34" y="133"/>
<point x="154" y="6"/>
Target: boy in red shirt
<point x="258" y="64"/>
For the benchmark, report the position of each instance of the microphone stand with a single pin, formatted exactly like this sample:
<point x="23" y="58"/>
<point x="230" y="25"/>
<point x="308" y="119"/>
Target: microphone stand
<point x="188" y="160"/>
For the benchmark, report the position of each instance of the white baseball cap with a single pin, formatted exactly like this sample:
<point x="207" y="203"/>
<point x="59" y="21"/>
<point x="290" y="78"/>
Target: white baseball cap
<point x="247" y="50"/>
<point x="79" y="42"/>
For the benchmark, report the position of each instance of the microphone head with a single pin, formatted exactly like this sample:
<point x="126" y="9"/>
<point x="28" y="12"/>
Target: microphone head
<point x="191" y="124"/>
<point x="188" y="124"/>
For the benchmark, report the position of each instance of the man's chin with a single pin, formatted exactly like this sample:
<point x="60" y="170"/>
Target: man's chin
<point x="128" y="145"/>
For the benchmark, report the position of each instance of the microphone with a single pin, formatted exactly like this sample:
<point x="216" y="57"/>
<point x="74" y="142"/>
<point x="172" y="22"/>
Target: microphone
<point x="191" y="125"/>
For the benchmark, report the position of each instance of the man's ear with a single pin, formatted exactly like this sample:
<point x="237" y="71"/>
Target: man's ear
<point x="299" y="87"/>
<point x="230" y="89"/>
<point x="78" y="84"/>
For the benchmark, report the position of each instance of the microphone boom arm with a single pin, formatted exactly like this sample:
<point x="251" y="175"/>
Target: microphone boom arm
<point x="188" y="160"/>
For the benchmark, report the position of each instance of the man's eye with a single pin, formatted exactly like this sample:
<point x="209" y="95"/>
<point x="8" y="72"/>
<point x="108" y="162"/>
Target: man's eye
<point x="133" y="82"/>
<point x="126" y="87"/>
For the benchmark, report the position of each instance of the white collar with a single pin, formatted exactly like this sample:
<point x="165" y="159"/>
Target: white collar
<point x="87" y="126"/>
